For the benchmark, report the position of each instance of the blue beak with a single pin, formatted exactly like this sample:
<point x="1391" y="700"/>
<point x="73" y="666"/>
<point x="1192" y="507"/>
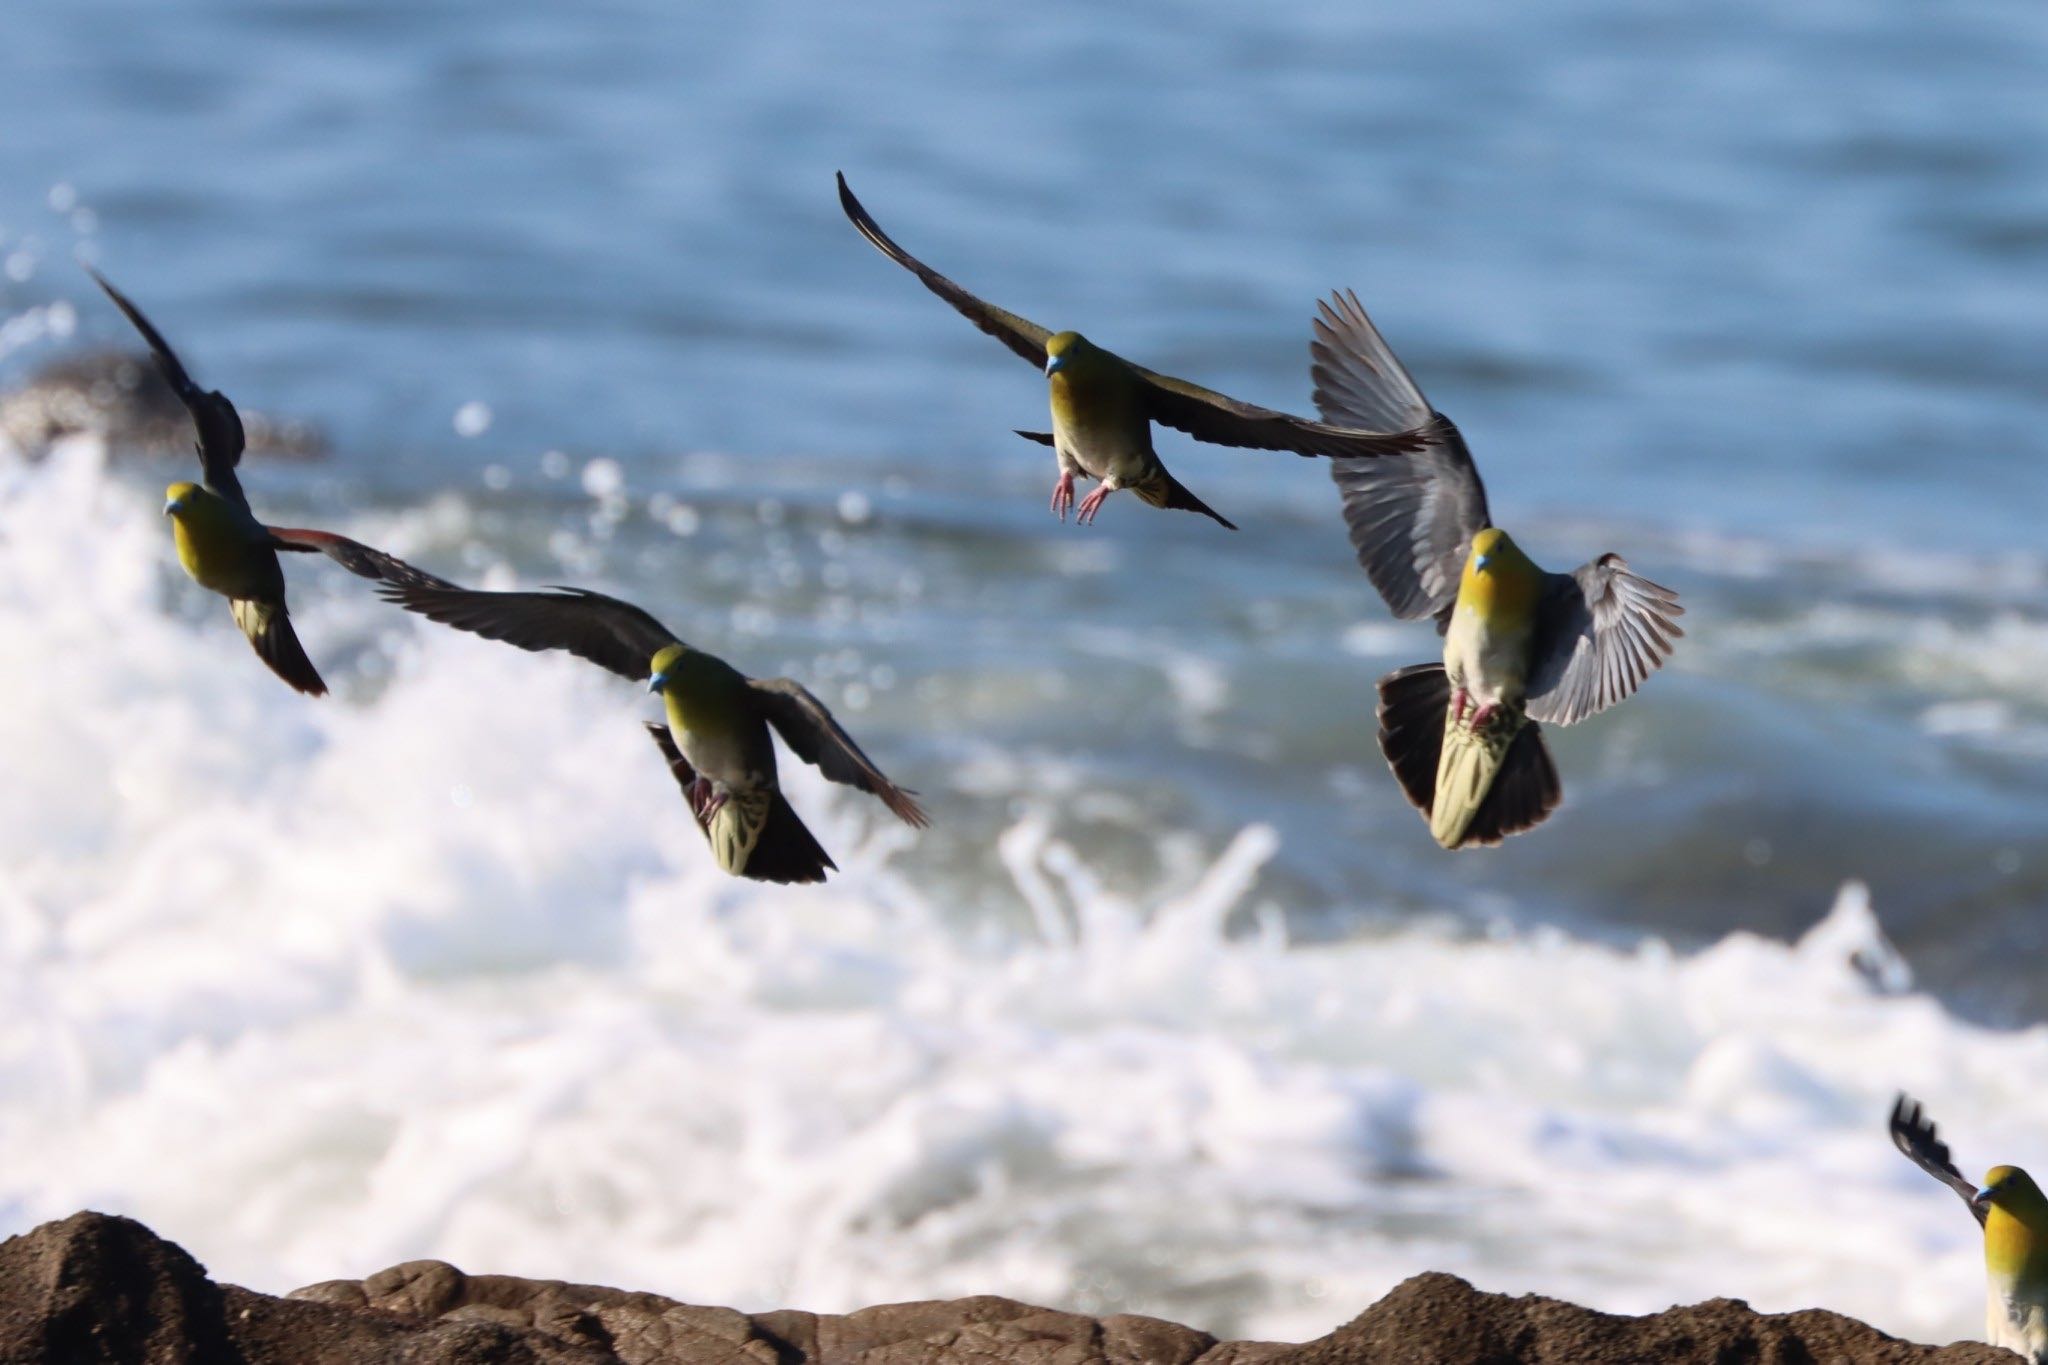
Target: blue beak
<point x="1482" y="561"/>
<point x="174" y="505"/>
<point x="657" y="682"/>
<point x="1055" y="364"/>
<point x="1982" y="1196"/>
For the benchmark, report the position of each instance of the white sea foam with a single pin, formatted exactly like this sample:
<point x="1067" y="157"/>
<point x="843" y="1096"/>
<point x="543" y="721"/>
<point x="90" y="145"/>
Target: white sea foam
<point x="437" y="968"/>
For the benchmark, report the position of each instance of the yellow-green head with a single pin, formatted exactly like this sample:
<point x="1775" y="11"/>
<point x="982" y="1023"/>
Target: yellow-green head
<point x="1063" y="349"/>
<point x="222" y="547"/>
<point x="702" y="692"/>
<point x="214" y="541"/>
<point x="663" y="671"/>
<point x="1499" y="579"/>
<point x="2015" y="1223"/>
<point x="197" y="510"/>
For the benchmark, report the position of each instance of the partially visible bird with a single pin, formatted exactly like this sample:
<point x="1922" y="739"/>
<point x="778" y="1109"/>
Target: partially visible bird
<point x="1103" y="406"/>
<point x="716" y="738"/>
<point x="2014" y="1215"/>
<point x="222" y="545"/>
<point x="1520" y="645"/>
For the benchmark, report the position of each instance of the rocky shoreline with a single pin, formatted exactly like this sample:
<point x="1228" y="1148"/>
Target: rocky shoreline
<point x="95" y="1288"/>
<point x="119" y="395"/>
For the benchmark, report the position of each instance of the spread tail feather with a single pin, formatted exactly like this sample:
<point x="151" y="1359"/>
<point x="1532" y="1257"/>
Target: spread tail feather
<point x="1164" y="490"/>
<point x="1412" y="705"/>
<point x="786" y="850"/>
<point x="1473" y="788"/>
<point x="734" y="829"/>
<point x="754" y="834"/>
<point x="269" y="628"/>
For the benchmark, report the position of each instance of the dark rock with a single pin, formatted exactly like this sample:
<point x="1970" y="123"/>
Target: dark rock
<point x="95" y="1289"/>
<point x="1436" y="1318"/>
<point x="122" y="396"/>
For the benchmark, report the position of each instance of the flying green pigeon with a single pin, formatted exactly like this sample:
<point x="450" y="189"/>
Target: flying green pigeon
<point x="1521" y="645"/>
<point x="716" y="739"/>
<point x="220" y="542"/>
<point x="1103" y="406"/>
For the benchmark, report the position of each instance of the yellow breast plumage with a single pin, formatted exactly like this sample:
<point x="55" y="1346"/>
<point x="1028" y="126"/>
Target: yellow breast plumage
<point x="1500" y="583"/>
<point x="212" y="545"/>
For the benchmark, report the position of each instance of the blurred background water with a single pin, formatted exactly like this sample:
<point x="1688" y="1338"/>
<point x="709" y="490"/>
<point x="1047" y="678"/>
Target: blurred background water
<point x="1177" y="1008"/>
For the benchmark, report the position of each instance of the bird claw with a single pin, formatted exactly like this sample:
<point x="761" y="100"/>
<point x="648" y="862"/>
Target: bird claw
<point x="1481" y="716"/>
<point x="1092" y="504"/>
<point x="704" y="801"/>
<point x="1063" y="496"/>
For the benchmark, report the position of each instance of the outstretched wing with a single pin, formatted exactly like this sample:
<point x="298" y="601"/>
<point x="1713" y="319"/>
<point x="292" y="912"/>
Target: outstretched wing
<point x="813" y="736"/>
<point x="220" y="426"/>
<point x="1411" y="519"/>
<point x="610" y="633"/>
<point x="365" y="561"/>
<point x="1222" y="420"/>
<point x="1599" y="633"/>
<point x="1021" y="335"/>
<point x="1359" y="380"/>
<point x="1913" y="1133"/>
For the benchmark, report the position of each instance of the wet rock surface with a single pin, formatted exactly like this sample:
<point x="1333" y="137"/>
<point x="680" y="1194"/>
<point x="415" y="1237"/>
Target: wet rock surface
<point x="94" y="1288"/>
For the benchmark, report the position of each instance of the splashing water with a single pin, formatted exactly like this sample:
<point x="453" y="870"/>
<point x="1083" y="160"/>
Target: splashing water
<point x="439" y="968"/>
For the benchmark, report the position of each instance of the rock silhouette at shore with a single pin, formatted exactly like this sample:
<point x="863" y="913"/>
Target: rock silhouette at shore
<point x="94" y="1288"/>
<point x="120" y="396"/>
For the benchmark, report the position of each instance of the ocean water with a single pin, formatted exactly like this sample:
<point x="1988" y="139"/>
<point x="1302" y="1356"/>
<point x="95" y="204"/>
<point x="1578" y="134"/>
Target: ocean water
<point x="1176" y="1009"/>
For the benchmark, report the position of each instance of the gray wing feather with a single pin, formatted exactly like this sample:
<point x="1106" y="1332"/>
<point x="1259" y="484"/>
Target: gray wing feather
<point x="1222" y="420"/>
<point x="219" y="425"/>
<point x="609" y="633"/>
<point x="1913" y="1133"/>
<point x="1411" y="517"/>
<point x="365" y="561"/>
<point x="1600" y="632"/>
<point x="815" y="737"/>
<point x="1357" y="374"/>
<point x="1021" y="335"/>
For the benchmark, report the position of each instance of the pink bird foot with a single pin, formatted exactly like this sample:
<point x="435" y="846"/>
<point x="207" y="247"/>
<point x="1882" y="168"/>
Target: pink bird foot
<point x="1459" y="703"/>
<point x="705" y="802"/>
<point x="1063" y="496"/>
<point x="1092" y="504"/>
<point x="1484" y="716"/>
